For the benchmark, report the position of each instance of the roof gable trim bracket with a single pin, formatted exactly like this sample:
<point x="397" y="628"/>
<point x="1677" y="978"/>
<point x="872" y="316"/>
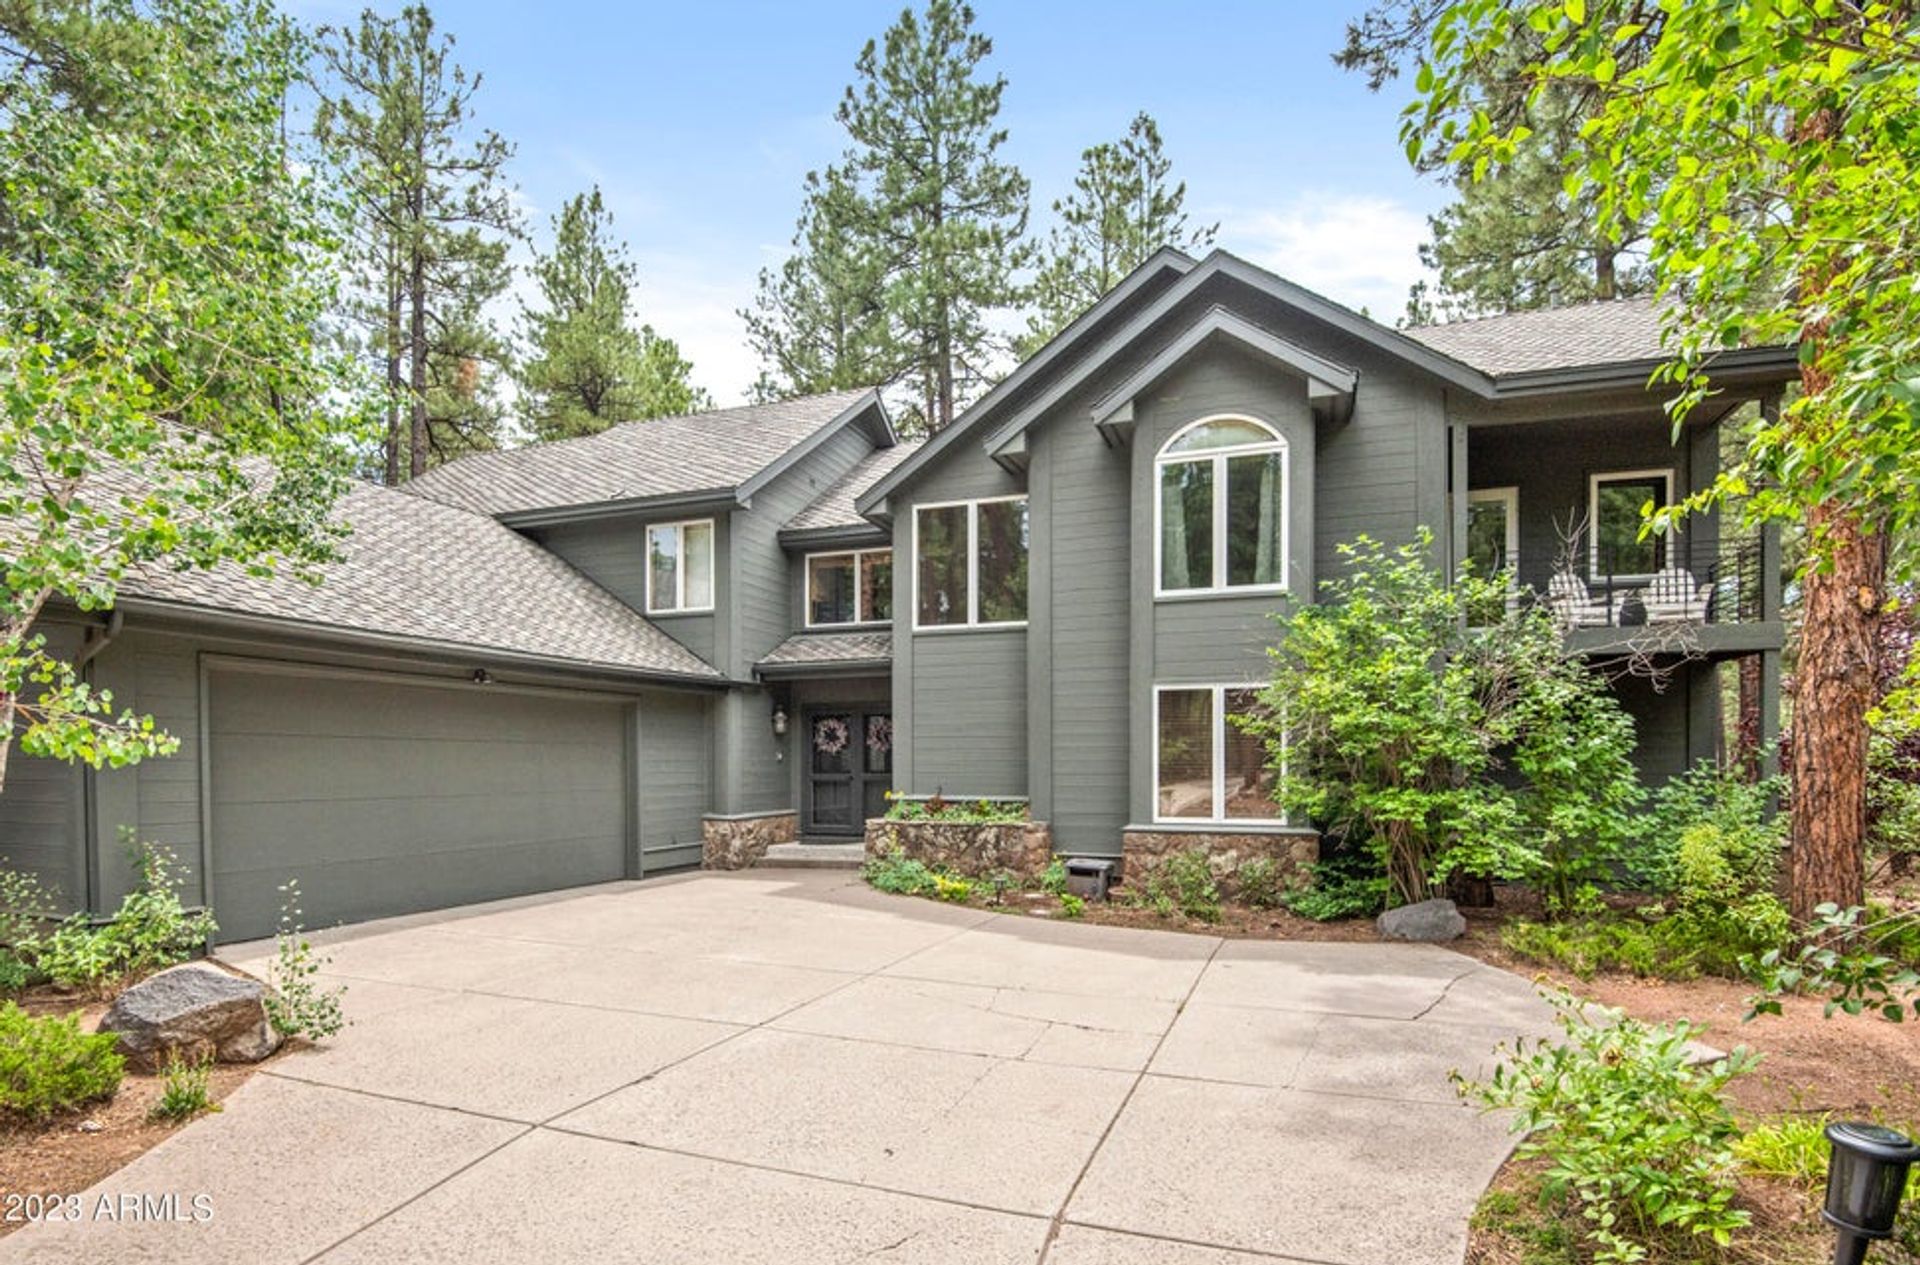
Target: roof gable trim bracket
<point x="1330" y="386"/>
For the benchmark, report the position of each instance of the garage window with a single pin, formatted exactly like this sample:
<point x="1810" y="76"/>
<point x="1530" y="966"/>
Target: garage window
<point x="680" y="567"/>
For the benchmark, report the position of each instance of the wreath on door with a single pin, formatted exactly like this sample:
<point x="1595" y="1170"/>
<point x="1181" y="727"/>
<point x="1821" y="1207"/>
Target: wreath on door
<point x="880" y="734"/>
<point x="830" y="736"/>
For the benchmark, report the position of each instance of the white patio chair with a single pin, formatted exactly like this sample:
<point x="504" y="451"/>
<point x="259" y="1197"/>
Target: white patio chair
<point x="1674" y="595"/>
<point x="1574" y="605"/>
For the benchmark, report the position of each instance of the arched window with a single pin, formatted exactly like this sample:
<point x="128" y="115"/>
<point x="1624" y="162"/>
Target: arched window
<point x="1222" y="508"/>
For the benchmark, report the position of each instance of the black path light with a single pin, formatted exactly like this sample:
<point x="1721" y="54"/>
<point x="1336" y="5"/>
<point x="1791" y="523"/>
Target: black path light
<point x="1866" y="1178"/>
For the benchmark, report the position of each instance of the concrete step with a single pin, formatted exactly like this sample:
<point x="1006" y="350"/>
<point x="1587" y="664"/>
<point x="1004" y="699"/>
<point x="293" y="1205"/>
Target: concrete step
<point x="814" y="856"/>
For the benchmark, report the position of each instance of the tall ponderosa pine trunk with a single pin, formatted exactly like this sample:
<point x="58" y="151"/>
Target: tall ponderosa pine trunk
<point x="395" y="436"/>
<point x="1834" y="681"/>
<point x="417" y="345"/>
<point x="1833" y="686"/>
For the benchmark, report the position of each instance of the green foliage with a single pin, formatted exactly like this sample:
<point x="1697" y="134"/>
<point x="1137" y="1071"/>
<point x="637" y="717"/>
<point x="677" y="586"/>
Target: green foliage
<point x="1053" y="879"/>
<point x="1636" y="1138"/>
<point x="25" y="907"/>
<point x="588" y="364"/>
<point x="15" y="974"/>
<point x="151" y="930"/>
<point x="951" y="887"/>
<point x="1259" y="884"/>
<point x="1121" y="210"/>
<point x="1389" y="710"/>
<point x="296" y="1004"/>
<point x="165" y="265"/>
<point x="1345" y="885"/>
<point x="1183" y="883"/>
<point x="1843" y="958"/>
<point x="1722" y="797"/>
<point x="184" y="1094"/>
<point x="1072" y="906"/>
<point x="891" y="872"/>
<point x="48" y="1065"/>
<point x="1792" y="1148"/>
<point x="1586" y="947"/>
<point x="970" y="812"/>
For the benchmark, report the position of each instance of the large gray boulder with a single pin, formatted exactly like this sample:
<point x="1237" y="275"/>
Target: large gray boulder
<point x="196" y="1011"/>
<point x="1429" y="922"/>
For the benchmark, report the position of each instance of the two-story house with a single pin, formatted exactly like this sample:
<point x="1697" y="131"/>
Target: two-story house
<point x="576" y="661"/>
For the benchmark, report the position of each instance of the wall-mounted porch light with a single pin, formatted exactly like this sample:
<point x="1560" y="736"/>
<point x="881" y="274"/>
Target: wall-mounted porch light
<point x="482" y="677"/>
<point x="779" y="721"/>
<point x="1866" y="1178"/>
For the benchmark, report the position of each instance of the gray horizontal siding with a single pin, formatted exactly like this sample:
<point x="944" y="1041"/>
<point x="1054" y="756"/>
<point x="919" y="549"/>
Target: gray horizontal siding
<point x="1214" y="640"/>
<point x="612" y="553"/>
<point x="42" y="813"/>
<point x="676" y="770"/>
<point x="969" y="705"/>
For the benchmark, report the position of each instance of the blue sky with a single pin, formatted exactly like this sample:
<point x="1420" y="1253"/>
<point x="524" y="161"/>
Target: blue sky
<point x="699" y="121"/>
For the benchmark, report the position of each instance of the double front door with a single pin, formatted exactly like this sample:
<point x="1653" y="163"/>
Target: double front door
<point x="849" y="754"/>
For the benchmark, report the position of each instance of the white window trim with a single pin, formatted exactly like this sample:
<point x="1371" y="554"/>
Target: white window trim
<point x="1219" y="757"/>
<point x="1664" y="474"/>
<point x="859" y="614"/>
<point x="1163" y="459"/>
<point x="1509" y="499"/>
<point x="973" y="620"/>
<point x="680" y="572"/>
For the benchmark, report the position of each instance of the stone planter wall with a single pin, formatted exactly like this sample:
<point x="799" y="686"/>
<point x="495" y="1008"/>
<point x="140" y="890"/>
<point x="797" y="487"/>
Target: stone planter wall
<point x="1024" y="847"/>
<point x="736" y="843"/>
<point x="1144" y="851"/>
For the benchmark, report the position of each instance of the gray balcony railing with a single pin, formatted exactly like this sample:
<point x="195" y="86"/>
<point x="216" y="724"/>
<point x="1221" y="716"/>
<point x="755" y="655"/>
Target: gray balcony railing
<point x="1698" y="582"/>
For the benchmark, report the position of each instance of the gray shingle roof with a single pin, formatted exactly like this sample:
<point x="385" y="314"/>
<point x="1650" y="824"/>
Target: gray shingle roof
<point x="834" y="507"/>
<point x="823" y="649"/>
<point x="699" y="452"/>
<point x="1553" y="338"/>
<point x="414" y="568"/>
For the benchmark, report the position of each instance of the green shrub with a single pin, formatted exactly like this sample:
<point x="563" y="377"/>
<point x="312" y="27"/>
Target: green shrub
<point x="48" y="1065"/>
<point x="14" y="973"/>
<point x="296" y="1005"/>
<point x="1842" y="959"/>
<point x="1184" y="882"/>
<point x="25" y="906"/>
<point x="151" y="929"/>
<point x="968" y="812"/>
<point x="184" y="1095"/>
<point x="1433" y="744"/>
<point x="1053" y="879"/>
<point x="892" y="872"/>
<point x="1749" y="836"/>
<point x="1072" y="906"/>
<point x="1637" y="1139"/>
<point x="1341" y="887"/>
<point x="1586" y="947"/>
<point x="1792" y="1148"/>
<point x="1259" y="884"/>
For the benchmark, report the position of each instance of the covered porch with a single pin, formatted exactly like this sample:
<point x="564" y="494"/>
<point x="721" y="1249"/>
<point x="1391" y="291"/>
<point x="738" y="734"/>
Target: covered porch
<point x="833" y="708"/>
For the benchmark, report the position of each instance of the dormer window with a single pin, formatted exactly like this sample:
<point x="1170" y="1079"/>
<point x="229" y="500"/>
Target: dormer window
<point x="680" y="567"/>
<point x="1221" y="509"/>
<point x="855" y="587"/>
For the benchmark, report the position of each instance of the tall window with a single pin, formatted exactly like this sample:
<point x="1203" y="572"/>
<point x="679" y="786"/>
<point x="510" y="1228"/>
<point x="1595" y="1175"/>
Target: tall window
<point x="970" y="563"/>
<point x="1205" y="767"/>
<point x="850" y="588"/>
<point x="1614" y="516"/>
<point x="1222" y="508"/>
<point x="680" y="567"/>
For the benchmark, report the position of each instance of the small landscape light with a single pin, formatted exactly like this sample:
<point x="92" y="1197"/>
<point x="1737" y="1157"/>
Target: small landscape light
<point x="482" y="677"/>
<point x="1866" y="1178"/>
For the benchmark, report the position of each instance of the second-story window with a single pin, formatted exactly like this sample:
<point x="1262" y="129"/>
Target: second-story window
<point x="850" y="588"/>
<point x="970" y="563"/>
<point x="1222" y="509"/>
<point x="1615" y="501"/>
<point x="680" y="567"/>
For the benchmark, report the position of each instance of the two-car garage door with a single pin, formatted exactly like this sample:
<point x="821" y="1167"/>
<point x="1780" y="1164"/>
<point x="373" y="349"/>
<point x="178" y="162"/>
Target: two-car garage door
<point x="382" y="798"/>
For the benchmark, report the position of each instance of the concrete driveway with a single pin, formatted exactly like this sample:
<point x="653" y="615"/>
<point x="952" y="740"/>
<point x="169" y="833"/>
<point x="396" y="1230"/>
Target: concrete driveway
<point x="785" y="1067"/>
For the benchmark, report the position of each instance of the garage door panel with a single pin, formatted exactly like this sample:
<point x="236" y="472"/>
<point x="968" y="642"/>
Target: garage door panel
<point x="388" y="797"/>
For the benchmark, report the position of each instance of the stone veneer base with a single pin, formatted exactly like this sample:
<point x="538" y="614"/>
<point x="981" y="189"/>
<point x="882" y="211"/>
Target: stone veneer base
<point x="737" y="843"/>
<point x="1144" y="851"/>
<point x="970" y="849"/>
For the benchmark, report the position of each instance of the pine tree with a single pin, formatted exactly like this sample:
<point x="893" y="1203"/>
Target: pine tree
<point x="819" y="321"/>
<point x="1122" y="209"/>
<point x="434" y="221"/>
<point x="1512" y="239"/>
<point x="943" y="212"/>
<point x="587" y="365"/>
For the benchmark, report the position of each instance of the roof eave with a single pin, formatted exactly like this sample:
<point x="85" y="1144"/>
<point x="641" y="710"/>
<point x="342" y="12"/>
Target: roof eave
<point x="357" y="637"/>
<point x="832" y="667"/>
<point x="718" y="500"/>
<point x="836" y="534"/>
<point x="1736" y="366"/>
<point x="869" y="407"/>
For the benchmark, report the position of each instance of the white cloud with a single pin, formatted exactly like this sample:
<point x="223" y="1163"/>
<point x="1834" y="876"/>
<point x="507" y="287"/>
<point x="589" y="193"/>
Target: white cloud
<point x="696" y="306"/>
<point x="1360" y="250"/>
